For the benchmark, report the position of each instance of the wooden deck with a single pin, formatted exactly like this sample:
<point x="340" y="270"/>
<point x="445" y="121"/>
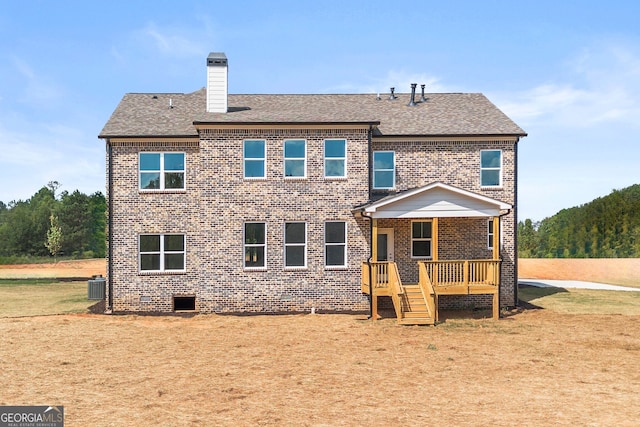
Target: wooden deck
<point x="418" y="303"/>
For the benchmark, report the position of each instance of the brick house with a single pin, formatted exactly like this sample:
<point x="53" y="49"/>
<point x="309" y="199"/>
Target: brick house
<point x="268" y="203"/>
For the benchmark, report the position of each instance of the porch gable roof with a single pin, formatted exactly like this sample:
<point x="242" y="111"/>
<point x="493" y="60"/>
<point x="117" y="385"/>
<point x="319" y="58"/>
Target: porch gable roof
<point x="436" y="200"/>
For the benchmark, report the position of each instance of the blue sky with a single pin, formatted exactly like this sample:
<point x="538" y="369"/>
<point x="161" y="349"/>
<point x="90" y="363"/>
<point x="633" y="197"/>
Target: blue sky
<point x="568" y="72"/>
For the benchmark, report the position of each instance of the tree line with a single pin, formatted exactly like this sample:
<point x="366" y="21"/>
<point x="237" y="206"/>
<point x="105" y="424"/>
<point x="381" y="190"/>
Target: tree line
<point x="607" y="227"/>
<point x="76" y="220"/>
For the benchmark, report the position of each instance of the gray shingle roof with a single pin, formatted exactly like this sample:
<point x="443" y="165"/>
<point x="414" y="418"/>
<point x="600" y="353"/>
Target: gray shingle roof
<point x="442" y="114"/>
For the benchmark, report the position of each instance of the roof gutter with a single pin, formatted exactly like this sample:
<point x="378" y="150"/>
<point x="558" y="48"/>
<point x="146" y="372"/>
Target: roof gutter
<point x="257" y="124"/>
<point x="454" y="135"/>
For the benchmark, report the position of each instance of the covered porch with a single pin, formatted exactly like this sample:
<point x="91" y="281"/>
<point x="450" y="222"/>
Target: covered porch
<point x="431" y="242"/>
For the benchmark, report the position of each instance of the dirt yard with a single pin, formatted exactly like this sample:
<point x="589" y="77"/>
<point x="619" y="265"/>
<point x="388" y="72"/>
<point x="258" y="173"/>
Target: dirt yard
<point x="615" y="271"/>
<point x="528" y="369"/>
<point x="532" y="367"/>
<point x="81" y="269"/>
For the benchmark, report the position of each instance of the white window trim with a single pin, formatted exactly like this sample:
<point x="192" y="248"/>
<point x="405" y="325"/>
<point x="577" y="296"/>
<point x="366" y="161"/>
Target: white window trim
<point x="304" y="245"/>
<point x="499" y="169"/>
<point x="325" y="158"/>
<point x="429" y="239"/>
<point x="254" y="245"/>
<point x="284" y="160"/>
<point x="162" y="252"/>
<point x="393" y="185"/>
<point x="490" y="233"/>
<point x="345" y="244"/>
<point x="244" y="160"/>
<point x="162" y="172"/>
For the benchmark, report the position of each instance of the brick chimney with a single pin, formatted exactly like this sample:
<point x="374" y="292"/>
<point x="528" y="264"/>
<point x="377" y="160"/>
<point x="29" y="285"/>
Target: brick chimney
<point x="217" y="85"/>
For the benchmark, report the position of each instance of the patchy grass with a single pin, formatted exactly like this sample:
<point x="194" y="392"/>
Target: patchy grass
<point x="35" y="297"/>
<point x="582" y="301"/>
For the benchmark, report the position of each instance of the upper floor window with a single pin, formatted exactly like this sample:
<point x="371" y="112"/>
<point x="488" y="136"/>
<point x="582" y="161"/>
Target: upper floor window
<point x="161" y="252"/>
<point x="384" y="170"/>
<point x="335" y="158"/>
<point x="421" y="239"/>
<point x="490" y="168"/>
<point x="295" y="158"/>
<point x="161" y="171"/>
<point x="335" y="244"/>
<point x="295" y="244"/>
<point x="254" y="152"/>
<point x="255" y="245"/>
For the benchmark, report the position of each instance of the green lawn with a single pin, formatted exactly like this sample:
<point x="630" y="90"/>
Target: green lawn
<point x="582" y="301"/>
<point x="42" y="297"/>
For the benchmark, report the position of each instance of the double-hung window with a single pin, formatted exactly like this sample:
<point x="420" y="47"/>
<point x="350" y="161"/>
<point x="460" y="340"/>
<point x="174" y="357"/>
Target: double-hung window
<point x="295" y="158"/>
<point x="421" y="239"/>
<point x="255" y="245"/>
<point x="161" y="252"/>
<point x="384" y="170"/>
<point x="295" y="244"/>
<point x="335" y="244"/>
<point x="254" y="153"/>
<point x="335" y="158"/>
<point x="161" y="171"/>
<point x="490" y="168"/>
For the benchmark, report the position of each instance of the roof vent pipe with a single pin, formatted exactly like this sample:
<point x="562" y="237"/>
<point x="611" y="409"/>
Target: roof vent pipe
<point x="422" y="98"/>
<point x="392" y="96"/>
<point x="413" y="95"/>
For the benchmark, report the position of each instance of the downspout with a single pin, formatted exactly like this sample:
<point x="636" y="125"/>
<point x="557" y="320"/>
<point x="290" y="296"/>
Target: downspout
<point x="370" y="186"/>
<point x="370" y="163"/>
<point x="515" y="224"/>
<point x="500" y="257"/>
<point x="369" y="263"/>
<point x="110" y="227"/>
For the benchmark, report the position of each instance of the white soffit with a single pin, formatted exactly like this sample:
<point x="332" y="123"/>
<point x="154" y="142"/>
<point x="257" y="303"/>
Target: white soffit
<point x="436" y="201"/>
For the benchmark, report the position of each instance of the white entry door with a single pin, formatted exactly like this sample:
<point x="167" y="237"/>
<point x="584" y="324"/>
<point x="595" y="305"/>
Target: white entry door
<point x="385" y="244"/>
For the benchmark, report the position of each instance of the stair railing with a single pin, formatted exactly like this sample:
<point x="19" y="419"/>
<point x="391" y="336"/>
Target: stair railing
<point x="426" y="287"/>
<point x="396" y="289"/>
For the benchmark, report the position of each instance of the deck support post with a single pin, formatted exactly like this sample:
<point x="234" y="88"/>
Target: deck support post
<point x="374" y="257"/>
<point x="496" y="257"/>
<point x="496" y="238"/>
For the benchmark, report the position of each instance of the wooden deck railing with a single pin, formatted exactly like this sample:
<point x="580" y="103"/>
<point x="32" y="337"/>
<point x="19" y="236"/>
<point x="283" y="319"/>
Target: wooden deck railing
<point x="385" y="278"/>
<point x="463" y="273"/>
<point x="464" y="277"/>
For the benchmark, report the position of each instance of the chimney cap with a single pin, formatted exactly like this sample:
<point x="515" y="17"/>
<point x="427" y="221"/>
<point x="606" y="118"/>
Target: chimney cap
<point x="217" y="59"/>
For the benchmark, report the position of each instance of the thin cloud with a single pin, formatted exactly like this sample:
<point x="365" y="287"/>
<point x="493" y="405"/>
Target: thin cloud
<point x="400" y="80"/>
<point x="38" y="89"/>
<point x="65" y="157"/>
<point x="602" y="86"/>
<point x="178" y="42"/>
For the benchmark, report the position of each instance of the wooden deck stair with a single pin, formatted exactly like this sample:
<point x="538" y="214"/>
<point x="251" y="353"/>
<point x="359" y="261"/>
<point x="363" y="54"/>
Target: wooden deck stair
<point x="414" y="307"/>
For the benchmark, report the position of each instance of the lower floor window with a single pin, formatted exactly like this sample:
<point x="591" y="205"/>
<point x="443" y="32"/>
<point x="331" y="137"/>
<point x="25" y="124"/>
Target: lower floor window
<point x="255" y="245"/>
<point x="421" y="239"/>
<point x="490" y="234"/>
<point x="335" y="242"/>
<point x="162" y="252"/>
<point x="295" y="244"/>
